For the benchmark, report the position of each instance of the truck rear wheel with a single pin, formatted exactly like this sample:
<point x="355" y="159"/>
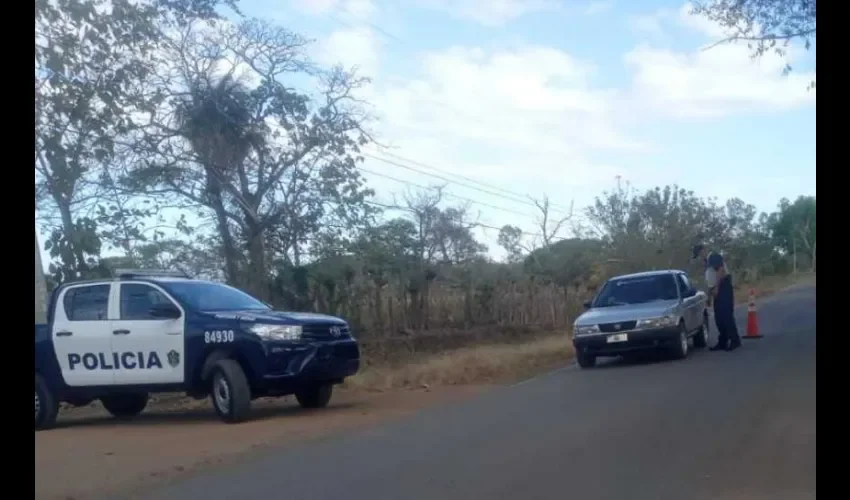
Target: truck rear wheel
<point x="231" y="394"/>
<point x="315" y="396"/>
<point x="125" y="405"/>
<point x="46" y="406"/>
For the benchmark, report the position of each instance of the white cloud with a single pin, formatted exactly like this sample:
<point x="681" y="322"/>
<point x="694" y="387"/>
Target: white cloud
<point x="533" y="98"/>
<point x="600" y="7"/>
<point x="528" y="119"/>
<point x="718" y="81"/>
<point x="490" y="12"/>
<point x="358" y="9"/>
<point x="650" y="24"/>
<point x="316" y="7"/>
<point x="699" y="24"/>
<point x="715" y="82"/>
<point x="354" y="47"/>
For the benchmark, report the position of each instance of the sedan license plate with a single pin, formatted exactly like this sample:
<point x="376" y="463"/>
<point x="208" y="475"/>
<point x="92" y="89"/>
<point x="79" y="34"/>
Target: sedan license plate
<point x="620" y="337"/>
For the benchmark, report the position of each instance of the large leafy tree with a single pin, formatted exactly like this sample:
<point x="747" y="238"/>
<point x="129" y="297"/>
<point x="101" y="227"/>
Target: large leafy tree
<point x="272" y="165"/>
<point x="93" y="60"/>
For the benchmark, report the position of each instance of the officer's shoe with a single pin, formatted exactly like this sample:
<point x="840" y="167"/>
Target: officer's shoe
<point x="718" y="347"/>
<point x="733" y="346"/>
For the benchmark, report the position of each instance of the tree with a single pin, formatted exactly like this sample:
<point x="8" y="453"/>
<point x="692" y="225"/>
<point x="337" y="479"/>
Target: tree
<point x="795" y="228"/>
<point x="92" y="58"/>
<point x="272" y="165"/>
<point x="510" y="238"/>
<point x="766" y="25"/>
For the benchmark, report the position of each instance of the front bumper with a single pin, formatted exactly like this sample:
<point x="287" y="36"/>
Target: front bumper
<point x="597" y="344"/>
<point x="290" y="366"/>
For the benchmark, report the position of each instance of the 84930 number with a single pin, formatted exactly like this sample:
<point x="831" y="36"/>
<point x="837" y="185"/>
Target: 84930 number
<point x="218" y="336"/>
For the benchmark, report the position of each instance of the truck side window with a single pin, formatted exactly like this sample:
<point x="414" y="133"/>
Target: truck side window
<point x="137" y="299"/>
<point x="87" y="303"/>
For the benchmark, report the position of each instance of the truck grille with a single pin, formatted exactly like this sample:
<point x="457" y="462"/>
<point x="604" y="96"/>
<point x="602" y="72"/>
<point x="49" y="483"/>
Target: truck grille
<point x="325" y="332"/>
<point x="617" y="327"/>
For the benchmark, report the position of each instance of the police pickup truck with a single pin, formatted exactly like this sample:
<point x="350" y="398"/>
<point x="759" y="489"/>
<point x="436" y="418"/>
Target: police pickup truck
<point x="117" y="340"/>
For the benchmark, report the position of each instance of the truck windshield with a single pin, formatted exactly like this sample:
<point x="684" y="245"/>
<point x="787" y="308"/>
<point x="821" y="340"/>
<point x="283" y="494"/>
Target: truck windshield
<point x="203" y="296"/>
<point x="637" y="290"/>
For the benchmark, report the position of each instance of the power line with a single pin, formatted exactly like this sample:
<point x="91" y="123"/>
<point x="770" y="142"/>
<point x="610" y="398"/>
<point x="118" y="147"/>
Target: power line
<point x="413" y="169"/>
<point x="431" y="167"/>
<point x="451" y="195"/>
<point x="429" y="174"/>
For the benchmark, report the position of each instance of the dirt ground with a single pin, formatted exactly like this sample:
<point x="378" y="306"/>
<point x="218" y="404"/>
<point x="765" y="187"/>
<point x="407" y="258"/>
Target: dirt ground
<point x="90" y="455"/>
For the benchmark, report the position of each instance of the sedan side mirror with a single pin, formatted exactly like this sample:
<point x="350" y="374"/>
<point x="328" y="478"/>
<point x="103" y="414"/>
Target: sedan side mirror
<point x="689" y="293"/>
<point x="586" y="305"/>
<point x="164" y="311"/>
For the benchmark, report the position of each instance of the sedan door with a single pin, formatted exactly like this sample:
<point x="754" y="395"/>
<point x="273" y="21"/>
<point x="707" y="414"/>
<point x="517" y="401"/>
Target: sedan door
<point x="690" y="302"/>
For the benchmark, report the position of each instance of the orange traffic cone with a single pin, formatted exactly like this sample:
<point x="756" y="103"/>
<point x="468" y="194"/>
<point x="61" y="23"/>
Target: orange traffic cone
<point x="752" y="318"/>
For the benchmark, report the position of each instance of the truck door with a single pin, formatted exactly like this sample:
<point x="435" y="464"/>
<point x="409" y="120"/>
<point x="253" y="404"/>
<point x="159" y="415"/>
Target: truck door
<point x="150" y="350"/>
<point x="82" y="335"/>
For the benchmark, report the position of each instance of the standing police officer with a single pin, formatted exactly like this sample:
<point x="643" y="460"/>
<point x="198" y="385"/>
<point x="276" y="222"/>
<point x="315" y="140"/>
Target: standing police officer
<point x="721" y="295"/>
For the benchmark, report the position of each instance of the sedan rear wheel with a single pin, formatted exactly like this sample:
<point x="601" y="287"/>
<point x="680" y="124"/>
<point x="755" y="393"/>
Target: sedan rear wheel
<point x="701" y="338"/>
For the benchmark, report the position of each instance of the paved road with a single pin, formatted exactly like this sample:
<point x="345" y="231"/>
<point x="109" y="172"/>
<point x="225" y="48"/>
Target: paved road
<point x="719" y="425"/>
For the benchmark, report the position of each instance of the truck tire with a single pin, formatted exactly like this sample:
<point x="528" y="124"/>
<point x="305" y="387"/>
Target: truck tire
<point x="315" y="396"/>
<point x="230" y="392"/>
<point x="125" y="405"/>
<point x="46" y="406"/>
<point x="679" y="350"/>
<point x="585" y="360"/>
<point x="701" y="338"/>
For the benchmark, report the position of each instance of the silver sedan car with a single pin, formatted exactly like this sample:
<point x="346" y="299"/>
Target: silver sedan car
<point x="654" y="310"/>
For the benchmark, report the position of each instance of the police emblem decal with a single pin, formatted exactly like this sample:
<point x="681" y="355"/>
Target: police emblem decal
<point x="173" y="358"/>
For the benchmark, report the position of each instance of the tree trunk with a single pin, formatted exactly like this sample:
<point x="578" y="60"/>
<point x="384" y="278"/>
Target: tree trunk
<point x="231" y="255"/>
<point x="40" y="288"/>
<point x="814" y="255"/>
<point x="74" y="258"/>
<point x="257" y="277"/>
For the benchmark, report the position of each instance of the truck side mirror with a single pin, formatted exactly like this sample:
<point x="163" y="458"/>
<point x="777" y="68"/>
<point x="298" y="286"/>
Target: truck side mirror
<point x="164" y="311"/>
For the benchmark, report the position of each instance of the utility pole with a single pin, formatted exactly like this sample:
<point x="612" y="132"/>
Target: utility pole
<point x="40" y="288"/>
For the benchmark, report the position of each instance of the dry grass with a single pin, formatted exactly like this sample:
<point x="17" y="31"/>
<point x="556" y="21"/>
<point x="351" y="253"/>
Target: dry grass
<point x="470" y="365"/>
<point x="772" y="284"/>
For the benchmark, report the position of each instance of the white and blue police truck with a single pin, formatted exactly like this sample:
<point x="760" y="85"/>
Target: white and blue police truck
<point x="144" y="331"/>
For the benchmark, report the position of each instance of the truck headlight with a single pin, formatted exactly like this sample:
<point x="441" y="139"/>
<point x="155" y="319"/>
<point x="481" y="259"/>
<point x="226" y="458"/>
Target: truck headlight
<point x="585" y="330"/>
<point x="661" y="322"/>
<point x="277" y="332"/>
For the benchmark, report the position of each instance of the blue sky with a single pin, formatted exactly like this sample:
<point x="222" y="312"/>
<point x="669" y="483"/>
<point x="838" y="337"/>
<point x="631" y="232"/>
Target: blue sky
<point x="562" y="97"/>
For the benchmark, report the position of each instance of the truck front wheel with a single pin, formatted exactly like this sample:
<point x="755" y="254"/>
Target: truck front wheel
<point x="231" y="394"/>
<point x="46" y="406"/>
<point x="125" y="405"/>
<point x="315" y="396"/>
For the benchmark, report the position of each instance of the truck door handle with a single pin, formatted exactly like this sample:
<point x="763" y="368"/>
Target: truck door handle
<point x="120" y="332"/>
<point x="64" y="333"/>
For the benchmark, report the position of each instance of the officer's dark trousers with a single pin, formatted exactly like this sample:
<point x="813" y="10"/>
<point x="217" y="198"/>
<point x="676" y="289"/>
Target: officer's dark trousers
<point x="724" y="314"/>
